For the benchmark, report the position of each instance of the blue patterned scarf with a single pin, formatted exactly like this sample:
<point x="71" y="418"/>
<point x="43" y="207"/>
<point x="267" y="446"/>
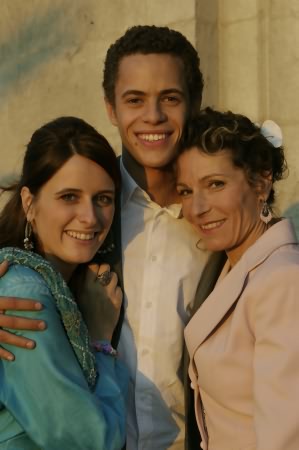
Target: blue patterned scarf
<point x="71" y="317"/>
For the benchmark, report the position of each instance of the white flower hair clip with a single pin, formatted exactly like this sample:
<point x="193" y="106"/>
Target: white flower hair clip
<point x="272" y="133"/>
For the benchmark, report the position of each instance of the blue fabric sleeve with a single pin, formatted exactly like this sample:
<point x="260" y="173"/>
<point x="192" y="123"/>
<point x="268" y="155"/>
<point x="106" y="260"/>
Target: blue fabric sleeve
<point x="45" y="390"/>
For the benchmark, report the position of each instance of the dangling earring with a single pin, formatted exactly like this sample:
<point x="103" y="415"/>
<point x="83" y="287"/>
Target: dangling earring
<point x="266" y="214"/>
<point x="28" y="244"/>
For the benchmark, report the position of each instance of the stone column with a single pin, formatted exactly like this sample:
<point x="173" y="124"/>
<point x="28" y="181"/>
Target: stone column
<point x="250" y="58"/>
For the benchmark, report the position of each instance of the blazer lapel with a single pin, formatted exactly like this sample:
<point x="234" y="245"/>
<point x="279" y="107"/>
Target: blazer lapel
<point x="227" y="292"/>
<point x="208" y="279"/>
<point x="213" y="310"/>
<point x="206" y="285"/>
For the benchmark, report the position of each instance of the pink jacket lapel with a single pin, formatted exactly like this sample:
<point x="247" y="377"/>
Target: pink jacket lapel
<point x="227" y="292"/>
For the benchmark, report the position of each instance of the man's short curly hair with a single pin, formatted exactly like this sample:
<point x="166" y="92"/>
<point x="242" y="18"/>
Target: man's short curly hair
<point x="212" y="131"/>
<point x="147" y="39"/>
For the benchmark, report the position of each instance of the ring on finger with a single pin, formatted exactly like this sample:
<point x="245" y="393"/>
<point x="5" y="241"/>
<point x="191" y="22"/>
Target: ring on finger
<point x="104" y="278"/>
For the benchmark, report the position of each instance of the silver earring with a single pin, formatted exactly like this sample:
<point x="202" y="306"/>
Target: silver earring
<point x="108" y="245"/>
<point x="28" y="244"/>
<point x="266" y="214"/>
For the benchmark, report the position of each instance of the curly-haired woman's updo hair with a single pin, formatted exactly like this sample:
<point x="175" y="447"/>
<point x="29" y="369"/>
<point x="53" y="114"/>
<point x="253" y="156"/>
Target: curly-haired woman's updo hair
<point x="50" y="147"/>
<point x="212" y="131"/>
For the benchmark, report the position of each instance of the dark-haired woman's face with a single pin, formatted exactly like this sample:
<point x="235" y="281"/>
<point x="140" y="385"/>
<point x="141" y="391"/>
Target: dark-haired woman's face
<point x="220" y="203"/>
<point x="72" y="213"/>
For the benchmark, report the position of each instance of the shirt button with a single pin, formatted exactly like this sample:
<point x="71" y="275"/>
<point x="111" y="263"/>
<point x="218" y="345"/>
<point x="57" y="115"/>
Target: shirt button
<point x="145" y="352"/>
<point x="154" y="258"/>
<point x="148" y="304"/>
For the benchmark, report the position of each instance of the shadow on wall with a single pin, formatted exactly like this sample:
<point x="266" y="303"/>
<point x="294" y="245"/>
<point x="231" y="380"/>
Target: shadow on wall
<point x="6" y="180"/>
<point x="293" y="213"/>
<point x="9" y="178"/>
<point x="34" y="43"/>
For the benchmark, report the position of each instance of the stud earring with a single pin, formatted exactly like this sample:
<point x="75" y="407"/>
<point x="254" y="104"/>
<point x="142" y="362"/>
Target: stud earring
<point x="266" y="214"/>
<point x="28" y="244"/>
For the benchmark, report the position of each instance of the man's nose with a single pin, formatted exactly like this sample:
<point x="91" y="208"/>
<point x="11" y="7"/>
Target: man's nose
<point x="154" y="112"/>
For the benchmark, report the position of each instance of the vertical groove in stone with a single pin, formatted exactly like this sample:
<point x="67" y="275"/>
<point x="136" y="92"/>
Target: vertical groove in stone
<point x="207" y="44"/>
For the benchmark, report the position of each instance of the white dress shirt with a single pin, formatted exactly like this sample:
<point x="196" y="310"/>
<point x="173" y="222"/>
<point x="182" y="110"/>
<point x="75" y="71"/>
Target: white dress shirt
<point x="161" y="271"/>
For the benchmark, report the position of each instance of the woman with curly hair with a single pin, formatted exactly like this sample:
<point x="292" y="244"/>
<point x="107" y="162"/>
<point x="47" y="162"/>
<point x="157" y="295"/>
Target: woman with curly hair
<point x="243" y="340"/>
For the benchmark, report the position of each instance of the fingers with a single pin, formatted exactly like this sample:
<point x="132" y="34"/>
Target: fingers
<point x="94" y="270"/>
<point x="113" y="291"/>
<point x="99" y="269"/>
<point x="103" y="268"/>
<point x="17" y="341"/>
<point x="20" y="323"/>
<point x="117" y="300"/>
<point x="3" y="268"/>
<point x="17" y="304"/>
<point x="4" y="354"/>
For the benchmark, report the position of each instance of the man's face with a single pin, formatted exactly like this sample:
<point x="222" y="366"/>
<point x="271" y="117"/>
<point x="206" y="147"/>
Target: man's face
<point x="151" y="106"/>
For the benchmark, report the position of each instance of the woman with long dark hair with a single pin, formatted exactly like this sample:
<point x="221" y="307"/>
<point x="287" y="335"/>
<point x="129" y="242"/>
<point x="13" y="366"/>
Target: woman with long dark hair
<point x="70" y="392"/>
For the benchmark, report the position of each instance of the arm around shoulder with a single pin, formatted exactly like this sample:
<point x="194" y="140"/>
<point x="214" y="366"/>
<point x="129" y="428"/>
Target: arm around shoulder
<point x="53" y="404"/>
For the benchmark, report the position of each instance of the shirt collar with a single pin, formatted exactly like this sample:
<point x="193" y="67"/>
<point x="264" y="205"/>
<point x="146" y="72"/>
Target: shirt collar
<point x="130" y="187"/>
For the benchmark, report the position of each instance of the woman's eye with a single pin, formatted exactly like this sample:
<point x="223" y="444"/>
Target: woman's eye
<point x="183" y="192"/>
<point x="216" y="184"/>
<point x="103" y="200"/>
<point x="69" y="197"/>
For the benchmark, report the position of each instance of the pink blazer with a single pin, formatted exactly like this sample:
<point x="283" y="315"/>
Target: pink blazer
<point x="244" y="350"/>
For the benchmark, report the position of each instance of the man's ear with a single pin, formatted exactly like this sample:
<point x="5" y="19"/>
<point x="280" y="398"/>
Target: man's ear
<point x="27" y="200"/>
<point x="111" y="112"/>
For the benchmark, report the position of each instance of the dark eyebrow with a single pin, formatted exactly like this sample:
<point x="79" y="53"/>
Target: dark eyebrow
<point x="132" y="92"/>
<point x="67" y="190"/>
<point x="70" y="190"/>
<point x="206" y="177"/>
<point x="181" y="184"/>
<point x="172" y="91"/>
<point x="212" y="175"/>
<point x="163" y="92"/>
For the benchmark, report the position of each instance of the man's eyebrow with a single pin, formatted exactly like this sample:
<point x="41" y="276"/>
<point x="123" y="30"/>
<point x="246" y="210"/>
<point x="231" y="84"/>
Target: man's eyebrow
<point x="172" y="91"/>
<point x="132" y="92"/>
<point x="163" y="92"/>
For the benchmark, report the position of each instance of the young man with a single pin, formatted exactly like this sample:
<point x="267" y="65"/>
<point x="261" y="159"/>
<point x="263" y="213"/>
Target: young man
<point x="152" y="84"/>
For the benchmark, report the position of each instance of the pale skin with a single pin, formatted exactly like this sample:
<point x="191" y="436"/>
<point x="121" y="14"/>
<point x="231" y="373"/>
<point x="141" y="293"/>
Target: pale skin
<point x="219" y="201"/>
<point x="151" y="99"/>
<point x="77" y="206"/>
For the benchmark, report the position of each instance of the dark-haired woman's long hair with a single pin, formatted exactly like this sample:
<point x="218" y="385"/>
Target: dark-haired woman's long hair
<point x="50" y="147"/>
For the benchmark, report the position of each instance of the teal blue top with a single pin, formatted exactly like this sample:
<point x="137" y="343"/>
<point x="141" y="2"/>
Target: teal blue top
<point x="58" y="396"/>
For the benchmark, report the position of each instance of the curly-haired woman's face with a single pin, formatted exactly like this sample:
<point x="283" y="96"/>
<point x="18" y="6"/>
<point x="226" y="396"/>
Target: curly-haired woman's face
<point x="220" y="203"/>
<point x="72" y="213"/>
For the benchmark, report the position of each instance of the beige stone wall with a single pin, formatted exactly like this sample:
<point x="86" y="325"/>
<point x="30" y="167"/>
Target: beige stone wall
<point x="250" y="55"/>
<point x="52" y="51"/>
<point x="51" y="61"/>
